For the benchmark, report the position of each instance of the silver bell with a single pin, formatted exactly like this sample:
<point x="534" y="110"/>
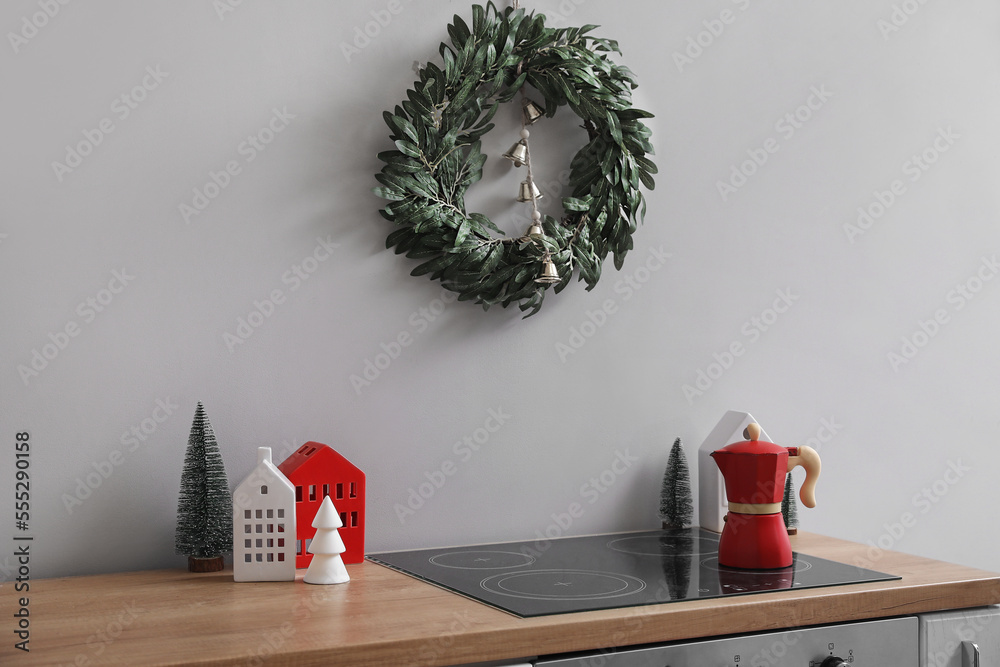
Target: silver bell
<point x="518" y="153"/>
<point x="532" y="111"/>
<point x="528" y="191"/>
<point x="550" y="275"/>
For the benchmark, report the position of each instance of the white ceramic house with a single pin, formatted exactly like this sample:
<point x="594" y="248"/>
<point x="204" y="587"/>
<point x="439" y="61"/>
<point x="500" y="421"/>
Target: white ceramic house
<point x="712" y="503"/>
<point x="264" y="524"/>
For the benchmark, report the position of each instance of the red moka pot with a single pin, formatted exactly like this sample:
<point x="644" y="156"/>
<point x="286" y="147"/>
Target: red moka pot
<point x="755" y="537"/>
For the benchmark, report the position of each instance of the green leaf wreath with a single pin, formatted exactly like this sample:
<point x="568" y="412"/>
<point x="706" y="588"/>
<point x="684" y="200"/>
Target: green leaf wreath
<point x="437" y="132"/>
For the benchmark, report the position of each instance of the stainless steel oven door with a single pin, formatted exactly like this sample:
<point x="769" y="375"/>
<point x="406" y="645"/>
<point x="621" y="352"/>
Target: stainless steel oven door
<point x="885" y="643"/>
<point x="961" y="638"/>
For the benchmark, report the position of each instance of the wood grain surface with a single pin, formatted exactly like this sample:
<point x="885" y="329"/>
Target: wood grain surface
<point x="385" y="618"/>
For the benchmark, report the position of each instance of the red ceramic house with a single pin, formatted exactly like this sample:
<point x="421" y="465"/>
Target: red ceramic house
<point x="316" y="471"/>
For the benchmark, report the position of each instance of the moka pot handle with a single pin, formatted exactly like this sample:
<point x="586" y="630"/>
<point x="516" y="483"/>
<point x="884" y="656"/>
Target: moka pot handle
<point x="808" y="458"/>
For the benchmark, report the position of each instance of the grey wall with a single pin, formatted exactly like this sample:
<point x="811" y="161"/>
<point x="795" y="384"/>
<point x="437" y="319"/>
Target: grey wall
<point x="908" y="434"/>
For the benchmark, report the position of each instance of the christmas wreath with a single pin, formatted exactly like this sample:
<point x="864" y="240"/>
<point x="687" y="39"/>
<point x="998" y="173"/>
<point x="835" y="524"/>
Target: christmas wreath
<point x="437" y="156"/>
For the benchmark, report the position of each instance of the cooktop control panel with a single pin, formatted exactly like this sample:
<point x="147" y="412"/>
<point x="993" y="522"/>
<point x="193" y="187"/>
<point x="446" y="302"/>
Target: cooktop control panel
<point x="882" y="643"/>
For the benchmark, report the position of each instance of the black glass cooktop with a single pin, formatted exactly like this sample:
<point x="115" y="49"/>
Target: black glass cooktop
<point x="536" y="578"/>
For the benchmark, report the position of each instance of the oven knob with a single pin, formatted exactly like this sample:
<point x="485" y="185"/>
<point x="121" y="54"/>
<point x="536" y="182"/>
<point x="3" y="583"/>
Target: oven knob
<point x="833" y="661"/>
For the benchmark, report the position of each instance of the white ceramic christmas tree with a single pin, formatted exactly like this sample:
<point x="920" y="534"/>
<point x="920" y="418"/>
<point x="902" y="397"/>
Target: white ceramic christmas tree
<point x="326" y="566"/>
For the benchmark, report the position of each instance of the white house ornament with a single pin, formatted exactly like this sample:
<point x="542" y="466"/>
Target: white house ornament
<point x="264" y="524"/>
<point x="437" y="157"/>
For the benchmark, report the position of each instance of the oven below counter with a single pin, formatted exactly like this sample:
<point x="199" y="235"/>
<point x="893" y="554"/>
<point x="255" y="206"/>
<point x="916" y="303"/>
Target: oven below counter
<point x="958" y="638"/>
<point x="962" y="638"/>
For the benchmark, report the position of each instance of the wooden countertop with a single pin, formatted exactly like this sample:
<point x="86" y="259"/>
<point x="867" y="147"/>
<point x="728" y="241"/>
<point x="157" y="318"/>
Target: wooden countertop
<point x="385" y="618"/>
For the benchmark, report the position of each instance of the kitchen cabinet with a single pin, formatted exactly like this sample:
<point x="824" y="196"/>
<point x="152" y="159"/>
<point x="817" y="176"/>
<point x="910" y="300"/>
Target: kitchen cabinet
<point x="382" y="617"/>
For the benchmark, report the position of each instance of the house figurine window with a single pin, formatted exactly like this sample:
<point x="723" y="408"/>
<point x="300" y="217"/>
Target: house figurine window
<point x="268" y="506"/>
<point x="317" y="472"/>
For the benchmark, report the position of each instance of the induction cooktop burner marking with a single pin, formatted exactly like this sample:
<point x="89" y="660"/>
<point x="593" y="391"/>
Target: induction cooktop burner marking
<point x="664" y="545"/>
<point x="800" y="564"/>
<point x="562" y="585"/>
<point x="482" y="560"/>
<point x="608" y="571"/>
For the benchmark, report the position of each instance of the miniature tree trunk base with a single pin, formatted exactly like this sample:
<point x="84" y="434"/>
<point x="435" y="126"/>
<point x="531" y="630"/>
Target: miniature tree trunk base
<point x="793" y="531"/>
<point x="206" y="564"/>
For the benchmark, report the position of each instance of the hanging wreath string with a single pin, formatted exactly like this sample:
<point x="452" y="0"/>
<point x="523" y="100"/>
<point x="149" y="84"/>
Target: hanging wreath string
<point x="437" y="157"/>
